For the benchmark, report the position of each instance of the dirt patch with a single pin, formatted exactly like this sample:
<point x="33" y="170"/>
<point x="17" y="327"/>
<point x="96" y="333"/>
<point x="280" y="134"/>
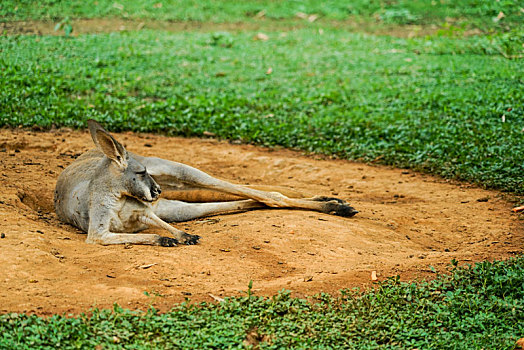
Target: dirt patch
<point x="108" y="25"/>
<point x="407" y="223"/>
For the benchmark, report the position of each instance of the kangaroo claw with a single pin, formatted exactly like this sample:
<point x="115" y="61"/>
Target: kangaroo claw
<point x="192" y="240"/>
<point x="168" y="242"/>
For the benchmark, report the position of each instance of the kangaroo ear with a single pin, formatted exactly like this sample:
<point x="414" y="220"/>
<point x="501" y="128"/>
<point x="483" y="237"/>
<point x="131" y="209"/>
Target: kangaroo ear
<point x="107" y="144"/>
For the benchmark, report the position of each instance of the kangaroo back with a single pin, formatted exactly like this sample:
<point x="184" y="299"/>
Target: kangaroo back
<point x="71" y="196"/>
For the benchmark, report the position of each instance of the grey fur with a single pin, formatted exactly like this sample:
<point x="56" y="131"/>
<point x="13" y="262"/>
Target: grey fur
<point x="112" y="194"/>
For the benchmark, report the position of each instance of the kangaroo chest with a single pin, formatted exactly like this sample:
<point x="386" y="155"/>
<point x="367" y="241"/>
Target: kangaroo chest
<point x="127" y="213"/>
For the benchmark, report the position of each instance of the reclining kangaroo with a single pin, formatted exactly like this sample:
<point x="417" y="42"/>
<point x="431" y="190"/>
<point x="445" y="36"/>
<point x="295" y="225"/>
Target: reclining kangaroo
<point x="111" y="194"/>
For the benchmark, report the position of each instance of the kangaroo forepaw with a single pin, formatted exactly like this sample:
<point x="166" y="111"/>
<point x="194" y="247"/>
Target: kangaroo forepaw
<point x="168" y="242"/>
<point x="336" y="206"/>
<point x="188" y="239"/>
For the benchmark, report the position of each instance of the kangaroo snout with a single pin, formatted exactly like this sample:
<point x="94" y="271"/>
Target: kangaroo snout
<point x="155" y="192"/>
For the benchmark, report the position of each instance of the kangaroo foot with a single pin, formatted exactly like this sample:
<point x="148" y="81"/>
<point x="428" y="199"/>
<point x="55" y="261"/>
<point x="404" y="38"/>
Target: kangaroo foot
<point x="336" y="206"/>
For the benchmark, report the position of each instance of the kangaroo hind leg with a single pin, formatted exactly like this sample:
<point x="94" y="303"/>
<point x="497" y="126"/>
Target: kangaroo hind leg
<point x="169" y="172"/>
<point x="176" y="211"/>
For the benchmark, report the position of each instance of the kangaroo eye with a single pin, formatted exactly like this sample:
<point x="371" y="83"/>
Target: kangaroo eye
<point x="143" y="172"/>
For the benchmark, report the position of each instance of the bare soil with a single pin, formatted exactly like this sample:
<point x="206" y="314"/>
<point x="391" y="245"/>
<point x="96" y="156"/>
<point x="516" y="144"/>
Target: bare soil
<point x="108" y="25"/>
<point x="407" y="223"/>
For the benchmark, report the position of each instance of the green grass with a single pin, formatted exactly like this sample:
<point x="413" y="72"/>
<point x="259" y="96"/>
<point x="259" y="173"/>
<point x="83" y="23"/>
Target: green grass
<point x="433" y="104"/>
<point x="475" y="307"/>
<point x="477" y="13"/>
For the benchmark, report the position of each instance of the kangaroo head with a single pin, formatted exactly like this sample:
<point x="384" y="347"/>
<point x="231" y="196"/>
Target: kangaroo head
<point x="129" y="176"/>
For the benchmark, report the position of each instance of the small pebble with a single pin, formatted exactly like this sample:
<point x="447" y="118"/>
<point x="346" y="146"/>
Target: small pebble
<point x="2" y="235"/>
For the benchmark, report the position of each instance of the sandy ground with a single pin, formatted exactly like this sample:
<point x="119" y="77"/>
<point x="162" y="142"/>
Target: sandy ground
<point x="108" y="25"/>
<point x="407" y="223"/>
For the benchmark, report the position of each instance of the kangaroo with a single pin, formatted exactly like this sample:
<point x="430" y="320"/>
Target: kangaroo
<point x="112" y="194"/>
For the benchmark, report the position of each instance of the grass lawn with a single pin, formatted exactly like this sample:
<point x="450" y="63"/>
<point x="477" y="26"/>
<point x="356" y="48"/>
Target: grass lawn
<point x="447" y="104"/>
<point x="450" y="106"/>
<point x="476" y="307"/>
<point x="472" y="13"/>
